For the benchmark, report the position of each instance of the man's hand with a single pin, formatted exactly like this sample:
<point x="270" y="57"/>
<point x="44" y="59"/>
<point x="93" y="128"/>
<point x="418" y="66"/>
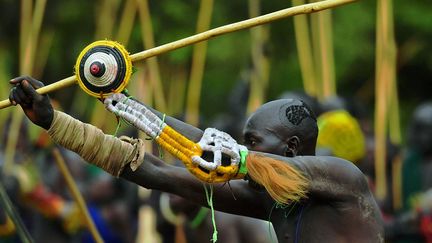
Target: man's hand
<point x="36" y="107"/>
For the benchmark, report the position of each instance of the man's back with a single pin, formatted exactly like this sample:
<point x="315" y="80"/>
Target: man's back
<point x="340" y="216"/>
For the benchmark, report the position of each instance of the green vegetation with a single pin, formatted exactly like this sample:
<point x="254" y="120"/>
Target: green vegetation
<point x="68" y="26"/>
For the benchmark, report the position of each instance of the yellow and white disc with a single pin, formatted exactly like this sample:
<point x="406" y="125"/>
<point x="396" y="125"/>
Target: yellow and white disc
<point x="102" y="68"/>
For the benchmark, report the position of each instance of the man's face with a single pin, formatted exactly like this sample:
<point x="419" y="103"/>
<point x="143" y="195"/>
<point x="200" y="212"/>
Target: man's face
<point x="261" y="134"/>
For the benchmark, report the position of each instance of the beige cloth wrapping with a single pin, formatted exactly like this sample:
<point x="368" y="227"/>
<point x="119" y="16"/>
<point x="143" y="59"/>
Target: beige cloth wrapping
<point x="110" y="153"/>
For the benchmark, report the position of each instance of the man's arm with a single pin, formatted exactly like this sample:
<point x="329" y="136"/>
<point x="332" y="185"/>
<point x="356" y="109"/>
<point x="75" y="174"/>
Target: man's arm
<point x="189" y="131"/>
<point x="237" y="197"/>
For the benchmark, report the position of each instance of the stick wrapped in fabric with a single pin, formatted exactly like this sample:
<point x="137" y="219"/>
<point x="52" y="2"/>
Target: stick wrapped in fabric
<point x="105" y="151"/>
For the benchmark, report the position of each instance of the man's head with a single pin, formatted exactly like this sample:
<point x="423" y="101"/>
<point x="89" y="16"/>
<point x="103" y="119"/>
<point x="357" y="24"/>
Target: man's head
<point x="284" y="127"/>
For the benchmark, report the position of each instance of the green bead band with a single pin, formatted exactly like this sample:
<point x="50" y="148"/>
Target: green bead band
<point x="243" y="168"/>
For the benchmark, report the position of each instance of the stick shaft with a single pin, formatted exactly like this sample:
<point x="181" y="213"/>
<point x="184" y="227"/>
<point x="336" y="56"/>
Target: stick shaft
<point x="76" y="195"/>
<point x="46" y="89"/>
<point x="264" y="19"/>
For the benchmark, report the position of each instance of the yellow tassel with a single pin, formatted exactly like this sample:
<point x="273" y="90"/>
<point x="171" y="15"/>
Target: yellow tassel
<point x="283" y="182"/>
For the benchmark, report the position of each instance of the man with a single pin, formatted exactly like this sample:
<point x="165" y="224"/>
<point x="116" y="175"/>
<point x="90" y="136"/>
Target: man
<point x="177" y="216"/>
<point x="339" y="206"/>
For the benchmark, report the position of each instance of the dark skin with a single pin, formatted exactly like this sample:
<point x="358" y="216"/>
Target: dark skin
<point x="339" y="207"/>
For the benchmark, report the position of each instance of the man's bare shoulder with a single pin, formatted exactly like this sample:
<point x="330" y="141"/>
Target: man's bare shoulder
<point x="332" y="175"/>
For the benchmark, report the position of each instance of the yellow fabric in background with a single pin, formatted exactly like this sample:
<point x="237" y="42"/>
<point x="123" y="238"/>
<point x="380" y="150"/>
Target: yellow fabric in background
<point x="341" y="134"/>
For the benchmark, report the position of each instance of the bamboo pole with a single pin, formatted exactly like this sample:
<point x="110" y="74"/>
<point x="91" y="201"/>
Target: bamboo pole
<point x="145" y="221"/>
<point x="380" y="113"/>
<point x="304" y="49"/>
<point x="326" y="54"/>
<point x="4" y="87"/>
<point x="14" y="131"/>
<point x="316" y="49"/>
<point x="30" y="29"/>
<point x="126" y="22"/>
<point x="152" y="77"/>
<point x="260" y="72"/>
<point x="264" y="19"/>
<point x="394" y="116"/>
<point x="177" y="91"/>
<point x="198" y="64"/>
<point x="152" y="63"/>
<point x="25" y="25"/>
<point x="17" y="115"/>
<point x="42" y="55"/>
<point x="106" y="17"/>
<point x="33" y="37"/>
<point x="76" y="194"/>
<point x="385" y="78"/>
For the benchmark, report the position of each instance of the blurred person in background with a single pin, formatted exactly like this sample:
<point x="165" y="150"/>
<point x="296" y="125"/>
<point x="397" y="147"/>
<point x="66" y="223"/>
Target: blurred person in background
<point x="414" y="222"/>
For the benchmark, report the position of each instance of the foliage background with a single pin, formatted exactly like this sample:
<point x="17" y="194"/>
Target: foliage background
<point x="72" y="25"/>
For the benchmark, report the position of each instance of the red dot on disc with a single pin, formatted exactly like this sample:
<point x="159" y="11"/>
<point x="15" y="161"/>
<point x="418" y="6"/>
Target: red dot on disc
<point x="94" y="69"/>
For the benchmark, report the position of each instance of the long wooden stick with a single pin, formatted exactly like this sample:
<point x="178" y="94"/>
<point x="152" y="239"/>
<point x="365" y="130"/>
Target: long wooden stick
<point x="264" y="19"/>
<point x="245" y="24"/>
<point x="76" y="195"/>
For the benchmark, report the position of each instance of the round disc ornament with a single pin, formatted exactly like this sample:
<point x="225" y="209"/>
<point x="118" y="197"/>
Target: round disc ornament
<point x="102" y="68"/>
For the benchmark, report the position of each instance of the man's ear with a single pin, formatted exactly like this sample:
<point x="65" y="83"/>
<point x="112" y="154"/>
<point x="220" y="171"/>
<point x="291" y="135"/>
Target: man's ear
<point x="292" y="145"/>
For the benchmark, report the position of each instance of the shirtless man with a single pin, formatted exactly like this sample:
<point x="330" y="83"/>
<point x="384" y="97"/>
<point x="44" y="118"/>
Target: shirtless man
<point x="339" y="206"/>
